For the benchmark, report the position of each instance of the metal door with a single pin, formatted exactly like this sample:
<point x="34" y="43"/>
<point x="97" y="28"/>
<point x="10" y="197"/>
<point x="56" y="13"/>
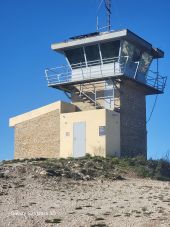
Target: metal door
<point x="109" y="95"/>
<point x="79" y="139"/>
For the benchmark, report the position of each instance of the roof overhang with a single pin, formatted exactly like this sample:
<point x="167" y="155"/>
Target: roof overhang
<point x="108" y="36"/>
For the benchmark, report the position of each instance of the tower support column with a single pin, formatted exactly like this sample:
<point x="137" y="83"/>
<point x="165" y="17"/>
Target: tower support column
<point x="133" y="134"/>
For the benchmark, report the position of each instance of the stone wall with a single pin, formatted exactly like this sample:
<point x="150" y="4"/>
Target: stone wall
<point x="132" y="120"/>
<point x="38" y="137"/>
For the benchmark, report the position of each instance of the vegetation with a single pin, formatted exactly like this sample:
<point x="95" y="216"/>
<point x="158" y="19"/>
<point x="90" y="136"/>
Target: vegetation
<point x="111" y="167"/>
<point x="154" y="169"/>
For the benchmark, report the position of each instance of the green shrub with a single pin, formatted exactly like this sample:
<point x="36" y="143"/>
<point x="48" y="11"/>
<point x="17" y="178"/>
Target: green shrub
<point x="143" y="171"/>
<point x="162" y="171"/>
<point x="115" y="161"/>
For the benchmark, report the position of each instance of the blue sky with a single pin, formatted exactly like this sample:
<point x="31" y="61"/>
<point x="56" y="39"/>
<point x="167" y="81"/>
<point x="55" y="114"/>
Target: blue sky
<point x="27" y="29"/>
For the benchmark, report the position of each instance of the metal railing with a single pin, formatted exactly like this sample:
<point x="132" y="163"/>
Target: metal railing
<point x="91" y="93"/>
<point x="84" y="71"/>
<point x="110" y="67"/>
<point x="155" y="80"/>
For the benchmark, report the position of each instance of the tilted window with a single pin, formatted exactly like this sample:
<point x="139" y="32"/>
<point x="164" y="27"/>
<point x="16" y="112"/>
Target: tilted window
<point x="92" y="55"/>
<point x="145" y="62"/>
<point x="136" y="55"/>
<point x="75" y="57"/>
<point x="110" y="50"/>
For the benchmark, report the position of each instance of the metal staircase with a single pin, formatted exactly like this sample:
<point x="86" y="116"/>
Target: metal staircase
<point x="93" y="93"/>
<point x="88" y="97"/>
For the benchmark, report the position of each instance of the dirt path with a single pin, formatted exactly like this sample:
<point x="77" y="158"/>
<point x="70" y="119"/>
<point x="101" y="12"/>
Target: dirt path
<point x="40" y="201"/>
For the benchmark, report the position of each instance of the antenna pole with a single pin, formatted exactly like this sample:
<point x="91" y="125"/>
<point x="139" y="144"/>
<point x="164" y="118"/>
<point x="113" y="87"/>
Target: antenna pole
<point x="108" y="11"/>
<point x="97" y="24"/>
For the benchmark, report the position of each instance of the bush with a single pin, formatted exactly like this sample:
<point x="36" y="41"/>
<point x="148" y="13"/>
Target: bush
<point x="143" y="171"/>
<point x="162" y="171"/>
<point x="115" y="160"/>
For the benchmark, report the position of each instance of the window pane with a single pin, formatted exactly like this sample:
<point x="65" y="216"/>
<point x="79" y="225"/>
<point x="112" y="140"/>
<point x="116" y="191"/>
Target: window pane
<point x="145" y="62"/>
<point x="75" y="56"/>
<point x="132" y="51"/>
<point x="127" y="49"/>
<point x="102" y="130"/>
<point x="92" y="54"/>
<point x="136" y="55"/>
<point x="110" y="49"/>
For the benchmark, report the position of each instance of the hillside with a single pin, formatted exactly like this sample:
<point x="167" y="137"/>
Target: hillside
<point x="85" y="192"/>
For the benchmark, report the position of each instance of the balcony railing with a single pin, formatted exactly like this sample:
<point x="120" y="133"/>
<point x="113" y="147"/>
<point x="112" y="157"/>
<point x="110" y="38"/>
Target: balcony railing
<point x="110" y="67"/>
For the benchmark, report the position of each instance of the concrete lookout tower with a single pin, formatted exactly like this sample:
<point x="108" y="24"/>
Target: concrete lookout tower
<point x="107" y="78"/>
<point x="110" y="71"/>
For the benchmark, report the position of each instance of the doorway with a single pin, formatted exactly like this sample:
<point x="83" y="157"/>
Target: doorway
<point x="79" y="139"/>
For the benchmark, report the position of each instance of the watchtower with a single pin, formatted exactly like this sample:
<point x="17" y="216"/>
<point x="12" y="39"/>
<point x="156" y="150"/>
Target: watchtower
<point x="110" y="70"/>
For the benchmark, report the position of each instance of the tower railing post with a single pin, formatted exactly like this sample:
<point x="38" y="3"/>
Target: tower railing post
<point x="137" y="66"/>
<point x="82" y="71"/>
<point x="127" y="59"/>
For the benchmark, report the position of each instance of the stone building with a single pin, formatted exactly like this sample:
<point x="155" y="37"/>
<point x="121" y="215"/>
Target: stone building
<point x="107" y="78"/>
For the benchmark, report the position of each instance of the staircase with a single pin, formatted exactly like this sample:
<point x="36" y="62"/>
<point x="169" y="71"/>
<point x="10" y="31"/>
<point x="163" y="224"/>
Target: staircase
<point x="88" y="97"/>
<point x="86" y="100"/>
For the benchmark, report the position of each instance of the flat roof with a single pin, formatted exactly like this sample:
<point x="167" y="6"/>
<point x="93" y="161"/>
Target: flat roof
<point x="126" y="34"/>
<point x="38" y="112"/>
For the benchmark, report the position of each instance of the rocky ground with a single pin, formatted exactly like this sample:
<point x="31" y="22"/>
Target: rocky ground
<point x="80" y="193"/>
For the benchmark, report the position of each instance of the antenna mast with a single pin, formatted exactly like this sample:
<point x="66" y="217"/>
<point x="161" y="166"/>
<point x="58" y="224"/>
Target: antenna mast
<point x="108" y="11"/>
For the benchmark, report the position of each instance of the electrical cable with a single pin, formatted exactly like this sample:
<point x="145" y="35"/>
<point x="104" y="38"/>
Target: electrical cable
<point x="153" y="108"/>
<point x="99" y="6"/>
<point x="97" y="14"/>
